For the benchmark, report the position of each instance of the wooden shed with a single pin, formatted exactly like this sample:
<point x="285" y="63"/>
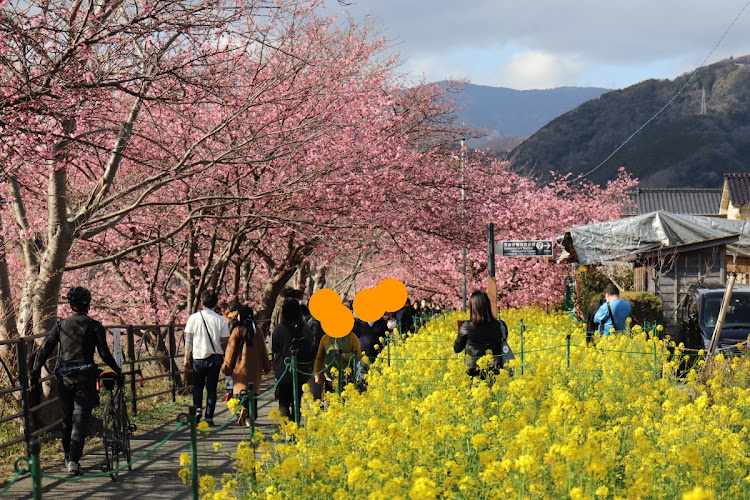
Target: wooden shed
<point x="669" y="271"/>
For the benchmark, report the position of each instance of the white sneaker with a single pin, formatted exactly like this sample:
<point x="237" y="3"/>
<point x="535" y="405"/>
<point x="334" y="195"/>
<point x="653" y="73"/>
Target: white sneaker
<point x="73" y="467"/>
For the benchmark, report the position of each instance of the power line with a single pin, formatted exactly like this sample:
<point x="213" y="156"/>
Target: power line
<point x="668" y="102"/>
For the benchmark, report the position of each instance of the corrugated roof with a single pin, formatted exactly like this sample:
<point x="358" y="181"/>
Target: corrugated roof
<point x="687" y="201"/>
<point x="739" y="188"/>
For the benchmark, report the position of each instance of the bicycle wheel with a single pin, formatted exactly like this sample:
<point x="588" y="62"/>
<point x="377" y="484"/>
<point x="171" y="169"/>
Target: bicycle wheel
<point x="125" y="431"/>
<point x="111" y="439"/>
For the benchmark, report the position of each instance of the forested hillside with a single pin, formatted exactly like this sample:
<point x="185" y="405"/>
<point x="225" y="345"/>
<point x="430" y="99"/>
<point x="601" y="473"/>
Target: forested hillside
<point x="680" y="148"/>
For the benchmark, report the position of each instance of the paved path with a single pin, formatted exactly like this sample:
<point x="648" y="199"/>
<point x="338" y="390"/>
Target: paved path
<point x="154" y="477"/>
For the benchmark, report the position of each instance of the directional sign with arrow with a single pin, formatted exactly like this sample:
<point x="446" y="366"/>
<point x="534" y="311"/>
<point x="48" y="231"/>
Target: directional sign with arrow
<point x="524" y="248"/>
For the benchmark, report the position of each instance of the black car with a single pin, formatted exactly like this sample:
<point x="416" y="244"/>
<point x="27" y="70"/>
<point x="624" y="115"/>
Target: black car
<point x="700" y="312"/>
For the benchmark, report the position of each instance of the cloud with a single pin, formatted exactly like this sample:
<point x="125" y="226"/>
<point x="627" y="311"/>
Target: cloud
<point x="574" y="35"/>
<point x="538" y="70"/>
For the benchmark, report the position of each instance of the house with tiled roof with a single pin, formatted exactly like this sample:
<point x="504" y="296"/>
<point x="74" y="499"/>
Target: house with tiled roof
<point x="735" y="197"/>
<point x="686" y="201"/>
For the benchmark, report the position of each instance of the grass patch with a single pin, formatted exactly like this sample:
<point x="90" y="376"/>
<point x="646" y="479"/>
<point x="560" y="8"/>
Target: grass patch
<point x="152" y="413"/>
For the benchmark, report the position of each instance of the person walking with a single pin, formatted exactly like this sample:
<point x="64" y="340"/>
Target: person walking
<point x="371" y="335"/>
<point x="328" y="349"/>
<point x="76" y="372"/>
<point x="291" y="331"/>
<point x="481" y="333"/>
<point x="405" y="318"/>
<point x="614" y="312"/>
<point x="246" y="358"/>
<point x="206" y="334"/>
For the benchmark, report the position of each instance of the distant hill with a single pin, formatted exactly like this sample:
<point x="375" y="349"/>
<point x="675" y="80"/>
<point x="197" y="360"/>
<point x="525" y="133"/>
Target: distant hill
<point x="679" y="148"/>
<point x="511" y="115"/>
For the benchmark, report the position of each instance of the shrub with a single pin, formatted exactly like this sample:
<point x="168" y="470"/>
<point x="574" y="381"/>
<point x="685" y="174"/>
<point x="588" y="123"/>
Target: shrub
<point x="647" y="308"/>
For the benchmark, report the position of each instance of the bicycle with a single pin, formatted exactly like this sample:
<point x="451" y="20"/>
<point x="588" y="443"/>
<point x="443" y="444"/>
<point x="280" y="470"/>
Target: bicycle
<point x="117" y="428"/>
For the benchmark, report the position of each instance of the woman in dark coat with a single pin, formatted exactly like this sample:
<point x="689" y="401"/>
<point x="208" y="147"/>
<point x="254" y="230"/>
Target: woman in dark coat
<point x="292" y="327"/>
<point x="481" y="333"/>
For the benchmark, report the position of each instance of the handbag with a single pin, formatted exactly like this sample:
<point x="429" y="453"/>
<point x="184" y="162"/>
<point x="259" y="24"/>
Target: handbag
<point x="208" y="334"/>
<point x="506" y="351"/>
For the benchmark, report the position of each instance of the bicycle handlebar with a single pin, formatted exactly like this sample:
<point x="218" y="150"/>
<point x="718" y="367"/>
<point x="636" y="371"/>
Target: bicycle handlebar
<point x="127" y="373"/>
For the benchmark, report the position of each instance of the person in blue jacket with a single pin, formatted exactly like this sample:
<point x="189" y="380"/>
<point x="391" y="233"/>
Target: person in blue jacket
<point x="614" y="312"/>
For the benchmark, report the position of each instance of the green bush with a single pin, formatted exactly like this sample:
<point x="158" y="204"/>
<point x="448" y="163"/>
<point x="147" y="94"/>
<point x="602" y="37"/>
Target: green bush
<point x="647" y="308"/>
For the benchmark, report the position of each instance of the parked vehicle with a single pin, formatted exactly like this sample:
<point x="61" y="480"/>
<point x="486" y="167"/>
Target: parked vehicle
<point x="700" y="312"/>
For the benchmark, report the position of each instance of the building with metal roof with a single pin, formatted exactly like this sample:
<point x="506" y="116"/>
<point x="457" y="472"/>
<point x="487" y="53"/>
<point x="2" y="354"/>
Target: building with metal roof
<point x="687" y="201"/>
<point x="735" y="197"/>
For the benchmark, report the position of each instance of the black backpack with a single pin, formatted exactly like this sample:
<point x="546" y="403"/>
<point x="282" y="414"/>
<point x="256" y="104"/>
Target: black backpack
<point x="303" y="346"/>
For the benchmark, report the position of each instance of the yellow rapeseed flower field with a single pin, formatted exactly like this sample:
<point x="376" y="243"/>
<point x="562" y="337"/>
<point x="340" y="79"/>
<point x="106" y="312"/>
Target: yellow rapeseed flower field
<point x="573" y="421"/>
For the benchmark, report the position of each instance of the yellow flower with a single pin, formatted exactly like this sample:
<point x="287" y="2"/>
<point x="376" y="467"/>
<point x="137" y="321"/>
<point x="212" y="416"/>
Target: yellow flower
<point x="478" y="440"/>
<point x="577" y="494"/>
<point x="290" y="465"/>
<point x="206" y="484"/>
<point x="184" y="459"/>
<point x="423" y="489"/>
<point x="577" y="423"/>
<point x="217" y="447"/>
<point x="203" y="426"/>
<point x="698" y="493"/>
<point x="232" y="404"/>
<point x="184" y="474"/>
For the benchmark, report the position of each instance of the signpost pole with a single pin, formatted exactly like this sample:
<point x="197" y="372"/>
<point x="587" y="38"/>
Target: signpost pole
<point x="491" y="282"/>
<point x="463" y="212"/>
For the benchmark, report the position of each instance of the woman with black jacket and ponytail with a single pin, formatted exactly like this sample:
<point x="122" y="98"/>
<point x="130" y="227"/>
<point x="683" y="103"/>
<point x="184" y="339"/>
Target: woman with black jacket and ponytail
<point x="482" y="333"/>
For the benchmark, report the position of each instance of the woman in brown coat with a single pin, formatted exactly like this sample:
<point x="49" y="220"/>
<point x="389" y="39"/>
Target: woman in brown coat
<point x="246" y="358"/>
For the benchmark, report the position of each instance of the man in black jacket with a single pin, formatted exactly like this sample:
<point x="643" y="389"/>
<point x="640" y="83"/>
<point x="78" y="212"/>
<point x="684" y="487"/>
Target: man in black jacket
<point x="76" y="372"/>
<point x="370" y="335"/>
<point x="405" y="318"/>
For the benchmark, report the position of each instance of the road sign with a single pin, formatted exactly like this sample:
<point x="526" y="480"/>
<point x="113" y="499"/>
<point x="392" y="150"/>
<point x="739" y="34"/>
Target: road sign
<point x="524" y="248"/>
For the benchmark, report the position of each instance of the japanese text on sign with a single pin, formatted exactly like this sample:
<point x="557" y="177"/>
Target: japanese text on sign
<point x="525" y="248"/>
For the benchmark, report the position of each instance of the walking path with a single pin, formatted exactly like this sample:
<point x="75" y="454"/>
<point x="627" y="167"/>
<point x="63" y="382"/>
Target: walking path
<point x="156" y="475"/>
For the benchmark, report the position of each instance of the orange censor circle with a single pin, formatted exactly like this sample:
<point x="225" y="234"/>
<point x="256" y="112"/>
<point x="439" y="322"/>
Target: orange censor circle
<point x="392" y="294"/>
<point x="324" y="304"/>
<point x="340" y="325"/>
<point x="369" y="304"/>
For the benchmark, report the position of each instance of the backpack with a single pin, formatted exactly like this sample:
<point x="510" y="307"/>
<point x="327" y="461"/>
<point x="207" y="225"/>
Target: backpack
<point x="332" y="347"/>
<point x="303" y="345"/>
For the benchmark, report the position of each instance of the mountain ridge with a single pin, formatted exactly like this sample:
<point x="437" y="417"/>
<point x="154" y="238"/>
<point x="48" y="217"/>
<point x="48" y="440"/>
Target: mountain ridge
<point x="506" y="113"/>
<point x="677" y="146"/>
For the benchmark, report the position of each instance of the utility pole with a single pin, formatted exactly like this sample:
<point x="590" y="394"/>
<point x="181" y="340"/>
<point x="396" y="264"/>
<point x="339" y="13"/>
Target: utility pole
<point x="463" y="211"/>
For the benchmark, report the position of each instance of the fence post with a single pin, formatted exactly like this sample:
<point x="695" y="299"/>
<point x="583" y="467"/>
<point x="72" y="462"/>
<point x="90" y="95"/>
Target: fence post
<point x="131" y="356"/>
<point x="657" y="373"/>
<point x="172" y="363"/>
<point x="523" y="330"/>
<point x="33" y="448"/>
<point x="568" y="346"/>
<point x="295" y="389"/>
<point x="250" y="407"/>
<point x="339" y="367"/>
<point x="23" y="380"/>
<point x="192" y="410"/>
<point x="388" y="345"/>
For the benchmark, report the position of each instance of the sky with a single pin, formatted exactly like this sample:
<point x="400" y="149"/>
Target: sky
<point x="543" y="44"/>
